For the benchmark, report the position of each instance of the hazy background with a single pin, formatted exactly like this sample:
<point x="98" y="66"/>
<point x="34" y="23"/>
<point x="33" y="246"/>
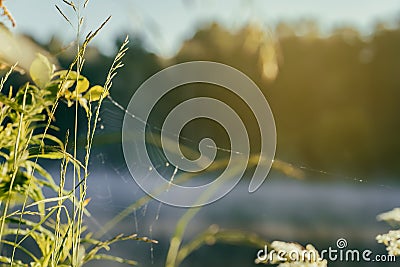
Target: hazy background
<point x="328" y="69"/>
<point x="330" y="72"/>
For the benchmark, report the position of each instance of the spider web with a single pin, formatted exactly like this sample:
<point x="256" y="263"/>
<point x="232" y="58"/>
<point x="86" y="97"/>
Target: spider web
<point x="113" y="189"/>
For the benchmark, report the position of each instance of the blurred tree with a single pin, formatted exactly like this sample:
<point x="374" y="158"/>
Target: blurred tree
<point x="335" y="99"/>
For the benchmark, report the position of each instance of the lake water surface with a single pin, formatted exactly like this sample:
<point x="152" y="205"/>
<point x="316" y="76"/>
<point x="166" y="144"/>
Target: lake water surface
<point x="282" y="209"/>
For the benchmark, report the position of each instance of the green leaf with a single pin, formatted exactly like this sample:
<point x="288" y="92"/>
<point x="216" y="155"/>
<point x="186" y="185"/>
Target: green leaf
<point x="49" y="155"/>
<point x="95" y="93"/>
<point x="9" y="102"/>
<point x="41" y="70"/>
<point x="52" y="89"/>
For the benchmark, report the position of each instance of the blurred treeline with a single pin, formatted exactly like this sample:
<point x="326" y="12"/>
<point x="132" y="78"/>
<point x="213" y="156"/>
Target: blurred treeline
<point x="335" y="99"/>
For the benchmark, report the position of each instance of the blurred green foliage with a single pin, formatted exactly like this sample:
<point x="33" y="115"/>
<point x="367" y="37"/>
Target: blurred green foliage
<point x="335" y="98"/>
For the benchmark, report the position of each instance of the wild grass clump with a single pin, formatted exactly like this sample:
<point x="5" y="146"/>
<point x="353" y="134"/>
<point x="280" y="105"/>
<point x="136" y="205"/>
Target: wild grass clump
<point x="55" y="224"/>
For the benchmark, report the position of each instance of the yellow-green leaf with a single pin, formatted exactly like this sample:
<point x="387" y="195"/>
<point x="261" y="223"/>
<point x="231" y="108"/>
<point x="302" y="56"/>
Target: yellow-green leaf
<point x="66" y="84"/>
<point x="62" y="73"/>
<point x="41" y="70"/>
<point x="83" y="85"/>
<point x="70" y="103"/>
<point x="83" y="103"/>
<point x="94" y="93"/>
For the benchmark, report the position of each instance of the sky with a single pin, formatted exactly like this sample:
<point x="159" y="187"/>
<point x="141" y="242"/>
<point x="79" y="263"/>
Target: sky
<point x="164" y="24"/>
